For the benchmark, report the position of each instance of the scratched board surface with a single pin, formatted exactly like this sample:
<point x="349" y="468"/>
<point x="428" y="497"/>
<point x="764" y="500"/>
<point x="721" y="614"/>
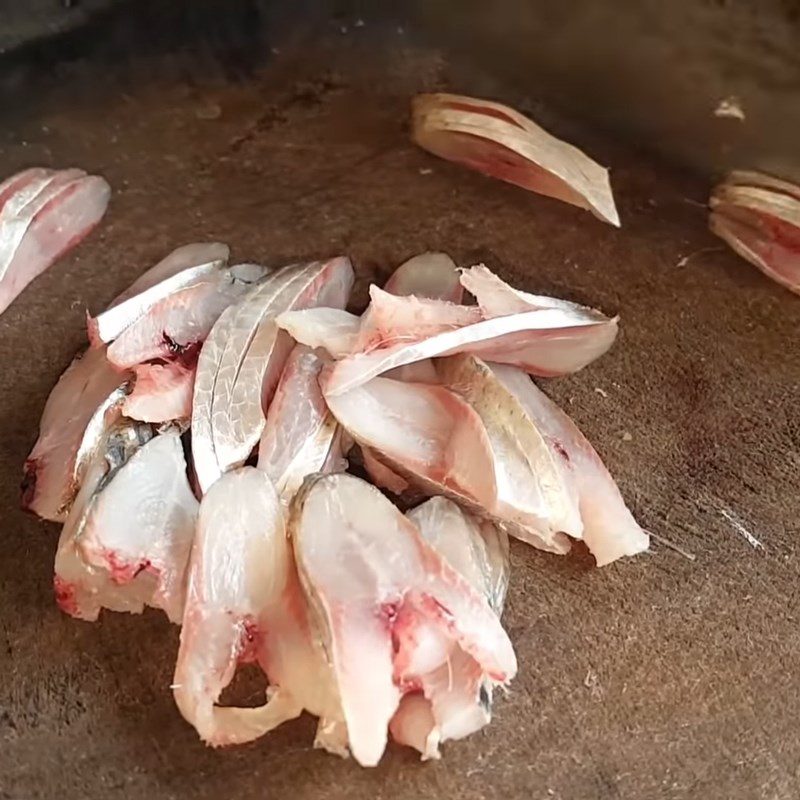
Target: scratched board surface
<point x="666" y="676"/>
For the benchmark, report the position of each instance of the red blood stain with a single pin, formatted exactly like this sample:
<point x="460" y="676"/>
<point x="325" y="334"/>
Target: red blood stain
<point x="65" y="596"/>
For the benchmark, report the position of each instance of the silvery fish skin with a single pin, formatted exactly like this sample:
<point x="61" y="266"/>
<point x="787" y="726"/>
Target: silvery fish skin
<point x="535" y="497"/>
<point x="431" y="275"/>
<point x="182" y="318"/>
<point x="502" y="143"/>
<point x="300" y="432"/>
<point x="244" y="603"/>
<point x="81" y="589"/>
<point x="545" y="342"/>
<point x="52" y="471"/>
<point x="242" y="359"/>
<point x="47" y="216"/>
<point x="759" y="217"/>
<point x="609" y="529"/>
<point x="388" y="606"/>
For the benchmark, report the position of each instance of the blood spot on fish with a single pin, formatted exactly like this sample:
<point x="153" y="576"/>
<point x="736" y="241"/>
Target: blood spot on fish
<point x="28" y="486"/>
<point x="561" y="450"/>
<point x="184" y="354"/>
<point x="65" y="596"/>
<point x="250" y="641"/>
<point x="122" y="572"/>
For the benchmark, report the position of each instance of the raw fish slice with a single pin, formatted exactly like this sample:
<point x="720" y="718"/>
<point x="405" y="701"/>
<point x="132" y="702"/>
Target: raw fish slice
<point x="497" y="299"/>
<point x="332" y="329"/>
<point x="182" y="318"/>
<point x="609" y="529"/>
<point x="143" y="520"/>
<point x="431" y="275"/>
<point x="391" y="320"/>
<point x="245" y="355"/>
<point x="426" y="433"/>
<point x="381" y="475"/>
<point x="52" y="472"/>
<point x="413" y="725"/>
<point x="502" y="143"/>
<point x="534" y="495"/>
<point x="18" y="182"/>
<point x="548" y="342"/>
<point x="416" y="372"/>
<point x="66" y="216"/>
<point x="161" y="392"/>
<point x="381" y="595"/>
<point x="299" y="431"/>
<point x="82" y="589"/>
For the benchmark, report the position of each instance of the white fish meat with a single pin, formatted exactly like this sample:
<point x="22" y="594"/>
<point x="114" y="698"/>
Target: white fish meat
<point x="431" y="275"/>
<point x="425" y="434"/>
<point x="546" y="342"/>
<point x="535" y="496"/>
<point x="390" y="608"/>
<point x="161" y="392"/>
<point x="52" y="472"/>
<point x="500" y="142"/>
<point x="143" y="521"/>
<point x="244" y="604"/>
<point x="175" y="321"/>
<point x="390" y="320"/>
<point x="242" y="359"/>
<point x="609" y="529"/>
<point x="44" y="215"/>
<point x="300" y="432"/>
<point x="332" y="329"/>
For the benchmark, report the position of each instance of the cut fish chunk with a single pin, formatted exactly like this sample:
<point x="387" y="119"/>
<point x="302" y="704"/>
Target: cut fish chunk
<point x="502" y="143"/>
<point x="53" y="470"/>
<point x="387" y="604"/>
<point x="161" y="392"/>
<point x="425" y="433"/>
<point x="431" y="275"/>
<point x="609" y="529"/>
<point x="47" y="216"/>
<point x="381" y="475"/>
<point x="300" y="431"/>
<point x="243" y="357"/>
<point x="177" y="320"/>
<point x="534" y="494"/>
<point x="332" y="329"/>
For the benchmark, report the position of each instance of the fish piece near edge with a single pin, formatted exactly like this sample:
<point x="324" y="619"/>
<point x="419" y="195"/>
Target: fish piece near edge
<point x="431" y="275"/>
<point x="609" y="529"/>
<point x="36" y="233"/>
<point x="242" y="359"/>
<point x="52" y="471"/>
<point x="502" y="143"/>
<point x="387" y="603"/>
<point x="332" y="329"/>
<point x="161" y="392"/>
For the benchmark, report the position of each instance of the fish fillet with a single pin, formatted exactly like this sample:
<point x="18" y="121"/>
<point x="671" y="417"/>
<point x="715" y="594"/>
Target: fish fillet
<point x="161" y="392"/>
<point x="431" y="275"/>
<point x="332" y="329"/>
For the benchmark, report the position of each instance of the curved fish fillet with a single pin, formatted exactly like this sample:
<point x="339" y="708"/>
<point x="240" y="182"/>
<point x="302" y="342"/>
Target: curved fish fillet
<point x="388" y="604"/>
<point x="332" y="329"/>
<point x="52" y="471"/>
<point x="431" y="275"/>
<point x="43" y="220"/>
<point x="609" y="529"/>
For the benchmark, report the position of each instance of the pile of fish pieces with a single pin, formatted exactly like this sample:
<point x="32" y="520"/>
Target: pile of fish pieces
<point x="197" y="454"/>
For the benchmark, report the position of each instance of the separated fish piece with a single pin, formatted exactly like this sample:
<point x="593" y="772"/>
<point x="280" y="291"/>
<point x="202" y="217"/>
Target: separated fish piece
<point x="547" y="342"/>
<point x="431" y="275"/>
<point x="391" y="320"/>
<point x="609" y="529"/>
<point x="759" y="217"/>
<point x="425" y="434"/>
<point x="381" y="475"/>
<point x="502" y="143"/>
<point x="243" y="357"/>
<point x="180" y="319"/>
<point x="42" y="220"/>
<point x="82" y="589"/>
<point x="388" y="605"/>
<point x="332" y="329"/>
<point x="535" y="495"/>
<point x="300" y="432"/>
<point x="143" y="521"/>
<point x="53" y="470"/>
<point x="161" y="392"/>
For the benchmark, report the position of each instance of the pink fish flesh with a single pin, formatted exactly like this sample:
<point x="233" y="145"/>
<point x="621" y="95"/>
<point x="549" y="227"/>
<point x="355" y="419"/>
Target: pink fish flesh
<point x="381" y="475"/>
<point x="389" y="607"/>
<point x="42" y="220"/>
<point x="431" y="275"/>
<point x="162" y="392"/>
<point x="609" y="529"/>
<point x="332" y="329"/>
<point x="52" y="472"/>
